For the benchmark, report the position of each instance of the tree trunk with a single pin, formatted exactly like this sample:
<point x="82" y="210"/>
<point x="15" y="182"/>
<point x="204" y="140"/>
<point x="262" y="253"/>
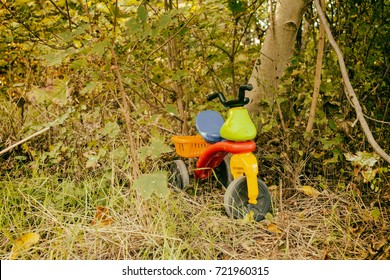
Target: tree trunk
<point x="275" y="53"/>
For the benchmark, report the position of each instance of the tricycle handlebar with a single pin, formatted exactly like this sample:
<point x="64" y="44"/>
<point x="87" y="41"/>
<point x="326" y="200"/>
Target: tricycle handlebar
<point x="241" y="101"/>
<point x="215" y="95"/>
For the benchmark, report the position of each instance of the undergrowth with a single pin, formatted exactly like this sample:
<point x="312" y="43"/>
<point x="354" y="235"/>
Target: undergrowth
<point x="73" y="187"/>
<point x="74" y="184"/>
<point x="337" y="224"/>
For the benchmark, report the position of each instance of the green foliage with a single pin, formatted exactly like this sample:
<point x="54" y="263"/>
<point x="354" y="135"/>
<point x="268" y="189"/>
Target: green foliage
<point x="236" y="6"/>
<point x="57" y="70"/>
<point x="363" y="163"/>
<point x="156" y="148"/>
<point x="361" y="30"/>
<point x="111" y="129"/>
<point x="57" y="61"/>
<point x="156" y="182"/>
<point x="142" y="13"/>
<point x="59" y="56"/>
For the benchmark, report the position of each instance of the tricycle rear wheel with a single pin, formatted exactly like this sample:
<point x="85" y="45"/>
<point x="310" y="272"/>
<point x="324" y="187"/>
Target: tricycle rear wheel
<point x="178" y="174"/>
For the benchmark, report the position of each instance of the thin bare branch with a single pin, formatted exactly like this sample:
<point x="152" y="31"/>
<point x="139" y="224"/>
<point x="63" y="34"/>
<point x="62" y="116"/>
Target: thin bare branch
<point x="317" y="79"/>
<point x="25" y="140"/>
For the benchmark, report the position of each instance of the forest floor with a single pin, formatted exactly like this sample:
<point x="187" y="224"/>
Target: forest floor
<point x="105" y="219"/>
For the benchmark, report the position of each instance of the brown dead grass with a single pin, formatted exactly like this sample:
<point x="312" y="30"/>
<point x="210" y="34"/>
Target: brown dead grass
<point x="335" y="225"/>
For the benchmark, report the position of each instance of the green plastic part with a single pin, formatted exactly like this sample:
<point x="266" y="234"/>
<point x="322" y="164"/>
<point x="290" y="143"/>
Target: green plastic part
<point x="238" y="126"/>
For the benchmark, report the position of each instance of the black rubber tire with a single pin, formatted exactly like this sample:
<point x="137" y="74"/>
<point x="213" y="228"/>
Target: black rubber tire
<point x="236" y="200"/>
<point x="222" y="173"/>
<point x="178" y="174"/>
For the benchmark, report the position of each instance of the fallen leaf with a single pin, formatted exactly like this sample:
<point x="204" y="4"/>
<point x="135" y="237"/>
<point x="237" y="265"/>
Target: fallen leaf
<point x="310" y="191"/>
<point x="102" y="217"/>
<point x="23" y="243"/>
<point x="269" y="217"/>
<point x="274" y="228"/>
<point x="375" y="213"/>
<point x="156" y="182"/>
<point x="249" y="217"/>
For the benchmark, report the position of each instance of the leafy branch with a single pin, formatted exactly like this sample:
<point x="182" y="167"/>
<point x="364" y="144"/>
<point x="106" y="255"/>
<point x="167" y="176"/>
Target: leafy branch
<point x="349" y="88"/>
<point x="30" y="31"/>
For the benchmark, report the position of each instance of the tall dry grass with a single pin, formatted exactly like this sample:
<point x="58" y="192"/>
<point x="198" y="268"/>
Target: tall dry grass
<point x="335" y="225"/>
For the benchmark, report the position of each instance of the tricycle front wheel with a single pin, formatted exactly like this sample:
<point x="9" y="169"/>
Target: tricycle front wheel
<point x="236" y="200"/>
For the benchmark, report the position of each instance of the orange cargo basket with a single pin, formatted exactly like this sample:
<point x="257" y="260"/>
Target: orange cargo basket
<point x="189" y="146"/>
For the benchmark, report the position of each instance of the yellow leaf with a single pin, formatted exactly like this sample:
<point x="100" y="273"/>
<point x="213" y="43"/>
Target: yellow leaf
<point x="23" y="243"/>
<point x="194" y="9"/>
<point x="274" y="228"/>
<point x="310" y="191"/>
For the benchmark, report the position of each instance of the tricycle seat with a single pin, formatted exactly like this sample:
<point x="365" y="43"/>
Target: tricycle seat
<point x="209" y="123"/>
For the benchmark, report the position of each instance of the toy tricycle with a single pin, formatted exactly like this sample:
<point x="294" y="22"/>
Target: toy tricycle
<point x="216" y="140"/>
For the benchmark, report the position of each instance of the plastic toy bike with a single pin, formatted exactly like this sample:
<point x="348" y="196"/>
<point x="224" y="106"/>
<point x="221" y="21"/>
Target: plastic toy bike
<point x="216" y="140"/>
